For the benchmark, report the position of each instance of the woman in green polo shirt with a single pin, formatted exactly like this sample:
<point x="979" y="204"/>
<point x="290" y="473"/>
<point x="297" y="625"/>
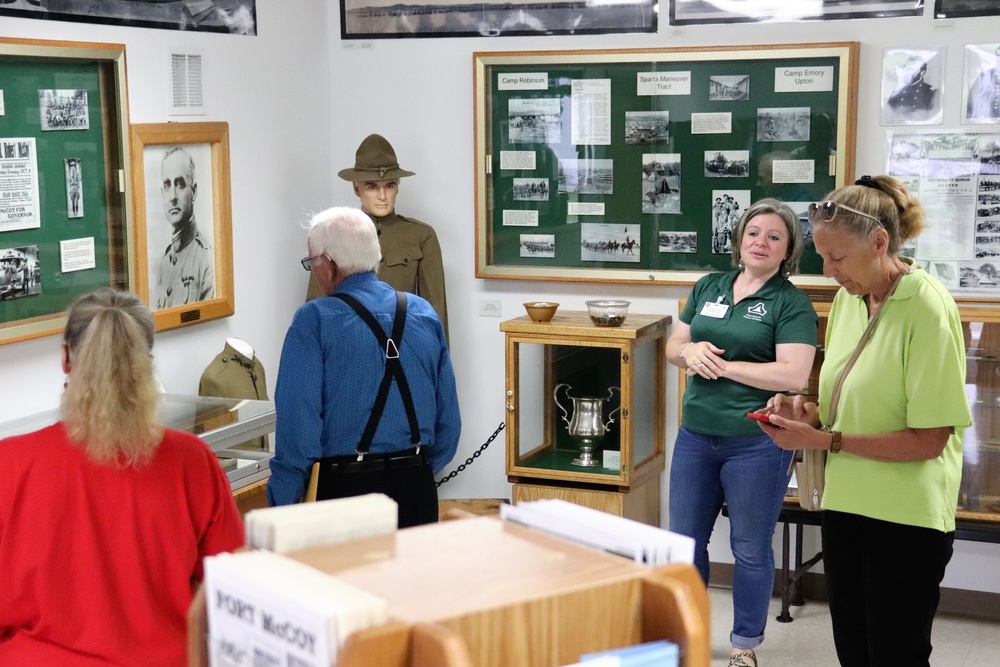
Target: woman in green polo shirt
<point x="896" y="436"/>
<point x="742" y="335"/>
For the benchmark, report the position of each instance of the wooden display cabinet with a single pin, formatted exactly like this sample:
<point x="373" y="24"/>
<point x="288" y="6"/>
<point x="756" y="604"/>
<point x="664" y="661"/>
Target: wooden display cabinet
<point x="617" y="375"/>
<point x="481" y="592"/>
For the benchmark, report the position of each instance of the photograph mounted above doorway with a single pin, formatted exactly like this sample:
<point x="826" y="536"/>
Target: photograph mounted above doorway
<point x="229" y="16"/>
<point x="394" y="19"/>
<point x="702" y="12"/>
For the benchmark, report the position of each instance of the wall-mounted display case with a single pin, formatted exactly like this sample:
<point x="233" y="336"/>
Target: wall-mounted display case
<point x="586" y="411"/>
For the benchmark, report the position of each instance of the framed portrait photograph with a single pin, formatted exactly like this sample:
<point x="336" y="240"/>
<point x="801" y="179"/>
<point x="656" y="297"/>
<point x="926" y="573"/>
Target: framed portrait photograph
<point x="981" y="89"/>
<point x="183" y="221"/>
<point x="912" y="86"/>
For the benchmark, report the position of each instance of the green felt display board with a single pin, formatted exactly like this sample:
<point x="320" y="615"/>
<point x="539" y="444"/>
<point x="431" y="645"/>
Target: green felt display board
<point x="27" y="312"/>
<point x="643" y="202"/>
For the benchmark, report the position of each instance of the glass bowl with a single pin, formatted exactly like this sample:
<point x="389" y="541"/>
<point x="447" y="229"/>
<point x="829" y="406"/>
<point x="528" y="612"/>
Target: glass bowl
<point x="607" y="312"/>
<point x="541" y="311"/>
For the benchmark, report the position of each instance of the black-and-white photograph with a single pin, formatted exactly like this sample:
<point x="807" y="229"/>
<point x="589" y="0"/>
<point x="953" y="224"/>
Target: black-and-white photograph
<point x="661" y="183"/>
<point x="385" y="19"/>
<point x="989" y="184"/>
<point x="953" y="9"/>
<point x="727" y="207"/>
<point x="64" y="109"/>
<point x="783" y="124"/>
<point x="531" y="189"/>
<point x="727" y="164"/>
<point x="945" y="271"/>
<point x="534" y="121"/>
<point x="538" y="245"/>
<point x="180" y="230"/>
<point x="586" y="177"/>
<point x="801" y="209"/>
<point x="989" y="157"/>
<point x="19" y="272"/>
<point x="74" y="187"/>
<point x="981" y="96"/>
<point x="912" y="82"/>
<point x="728" y="87"/>
<point x="987" y="245"/>
<point x="229" y="16"/>
<point x="984" y="211"/>
<point x="988" y="199"/>
<point x="981" y="275"/>
<point x="603" y="242"/>
<point x="905" y="157"/>
<point x="987" y="226"/>
<point x="705" y="12"/>
<point x="678" y="242"/>
<point x="647" y="127"/>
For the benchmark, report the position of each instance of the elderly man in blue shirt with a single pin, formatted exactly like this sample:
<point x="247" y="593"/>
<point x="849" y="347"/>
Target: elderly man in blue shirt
<point x="332" y="367"/>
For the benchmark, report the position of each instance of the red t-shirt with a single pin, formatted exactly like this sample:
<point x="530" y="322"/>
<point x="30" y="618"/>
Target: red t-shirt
<point x="98" y="564"/>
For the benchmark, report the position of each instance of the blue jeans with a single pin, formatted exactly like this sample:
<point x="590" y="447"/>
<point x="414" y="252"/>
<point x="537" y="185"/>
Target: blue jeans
<point x="749" y="473"/>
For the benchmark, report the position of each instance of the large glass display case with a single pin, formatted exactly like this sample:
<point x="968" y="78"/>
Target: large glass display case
<point x="240" y="432"/>
<point x="979" y="493"/>
<point x="586" y="410"/>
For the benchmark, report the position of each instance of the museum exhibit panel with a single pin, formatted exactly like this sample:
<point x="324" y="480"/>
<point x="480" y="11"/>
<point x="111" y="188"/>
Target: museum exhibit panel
<point x="586" y="411"/>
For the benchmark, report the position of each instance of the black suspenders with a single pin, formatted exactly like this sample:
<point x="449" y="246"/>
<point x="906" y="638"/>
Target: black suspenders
<point x="393" y="369"/>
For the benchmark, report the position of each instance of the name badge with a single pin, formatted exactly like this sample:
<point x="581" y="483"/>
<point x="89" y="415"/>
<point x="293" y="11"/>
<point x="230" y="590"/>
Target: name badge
<point x="717" y="310"/>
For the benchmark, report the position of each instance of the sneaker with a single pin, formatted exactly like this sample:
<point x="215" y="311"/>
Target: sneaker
<point x="743" y="659"/>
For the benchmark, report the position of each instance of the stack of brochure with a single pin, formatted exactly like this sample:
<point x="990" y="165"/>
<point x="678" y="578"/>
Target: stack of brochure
<point x="614" y="534"/>
<point x="291" y="527"/>
<point x="652" y="654"/>
<point x="267" y="609"/>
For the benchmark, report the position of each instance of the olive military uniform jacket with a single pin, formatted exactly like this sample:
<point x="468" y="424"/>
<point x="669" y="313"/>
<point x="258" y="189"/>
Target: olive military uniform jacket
<point x="187" y="270"/>
<point x="411" y="261"/>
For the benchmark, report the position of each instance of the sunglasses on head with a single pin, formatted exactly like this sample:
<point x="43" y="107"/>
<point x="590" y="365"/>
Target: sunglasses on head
<point x="828" y="210"/>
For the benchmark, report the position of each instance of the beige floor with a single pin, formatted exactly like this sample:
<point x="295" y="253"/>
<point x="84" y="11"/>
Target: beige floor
<point x="807" y="641"/>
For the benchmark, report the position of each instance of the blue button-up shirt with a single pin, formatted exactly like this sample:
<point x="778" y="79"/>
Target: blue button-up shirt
<point x="331" y="367"/>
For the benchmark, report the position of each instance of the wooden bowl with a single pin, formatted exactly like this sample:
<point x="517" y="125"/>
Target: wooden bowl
<point x="541" y="311"/>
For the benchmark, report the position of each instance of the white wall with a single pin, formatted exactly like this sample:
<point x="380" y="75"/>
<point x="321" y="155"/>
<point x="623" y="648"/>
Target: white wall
<point x="299" y="101"/>
<point x="418" y="93"/>
<point x="274" y="91"/>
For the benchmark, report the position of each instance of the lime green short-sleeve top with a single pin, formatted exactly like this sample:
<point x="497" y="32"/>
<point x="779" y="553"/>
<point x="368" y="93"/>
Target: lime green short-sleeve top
<point x="910" y="375"/>
<point x="748" y="331"/>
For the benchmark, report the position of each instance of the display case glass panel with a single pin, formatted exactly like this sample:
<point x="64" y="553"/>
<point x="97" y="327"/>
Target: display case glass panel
<point x="240" y="432"/>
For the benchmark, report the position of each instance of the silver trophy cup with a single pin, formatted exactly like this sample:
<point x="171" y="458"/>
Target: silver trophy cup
<point x="586" y="426"/>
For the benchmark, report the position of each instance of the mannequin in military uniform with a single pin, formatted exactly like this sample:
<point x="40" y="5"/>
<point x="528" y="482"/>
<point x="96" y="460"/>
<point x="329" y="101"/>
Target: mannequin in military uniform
<point x="187" y="268"/>
<point x="411" y="256"/>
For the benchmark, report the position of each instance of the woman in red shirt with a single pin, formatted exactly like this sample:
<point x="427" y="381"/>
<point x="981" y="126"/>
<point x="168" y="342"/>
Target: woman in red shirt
<point x="105" y="516"/>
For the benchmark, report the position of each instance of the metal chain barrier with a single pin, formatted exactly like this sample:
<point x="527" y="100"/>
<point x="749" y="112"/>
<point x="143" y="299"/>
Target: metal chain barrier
<point x="474" y="456"/>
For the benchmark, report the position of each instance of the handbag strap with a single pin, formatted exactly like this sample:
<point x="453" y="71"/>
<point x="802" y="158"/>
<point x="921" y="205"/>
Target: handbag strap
<point x="393" y="369"/>
<point x="865" y="337"/>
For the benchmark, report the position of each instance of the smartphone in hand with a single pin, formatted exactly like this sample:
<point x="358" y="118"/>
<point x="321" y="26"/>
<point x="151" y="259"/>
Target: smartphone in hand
<point x="760" y="417"/>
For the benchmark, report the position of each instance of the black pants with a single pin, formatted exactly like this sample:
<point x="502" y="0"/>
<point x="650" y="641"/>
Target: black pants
<point x="403" y="476"/>
<point x="884" y="582"/>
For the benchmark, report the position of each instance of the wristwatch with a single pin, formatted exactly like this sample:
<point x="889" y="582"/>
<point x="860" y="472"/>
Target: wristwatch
<point x="836" y="444"/>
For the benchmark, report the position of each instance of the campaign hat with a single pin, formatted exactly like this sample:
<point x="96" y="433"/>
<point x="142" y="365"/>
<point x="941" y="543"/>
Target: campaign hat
<point x="375" y="160"/>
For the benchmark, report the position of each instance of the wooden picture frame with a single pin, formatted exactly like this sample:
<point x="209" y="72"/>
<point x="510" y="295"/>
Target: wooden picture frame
<point x="62" y="103"/>
<point x="571" y="146"/>
<point x="183" y="225"/>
